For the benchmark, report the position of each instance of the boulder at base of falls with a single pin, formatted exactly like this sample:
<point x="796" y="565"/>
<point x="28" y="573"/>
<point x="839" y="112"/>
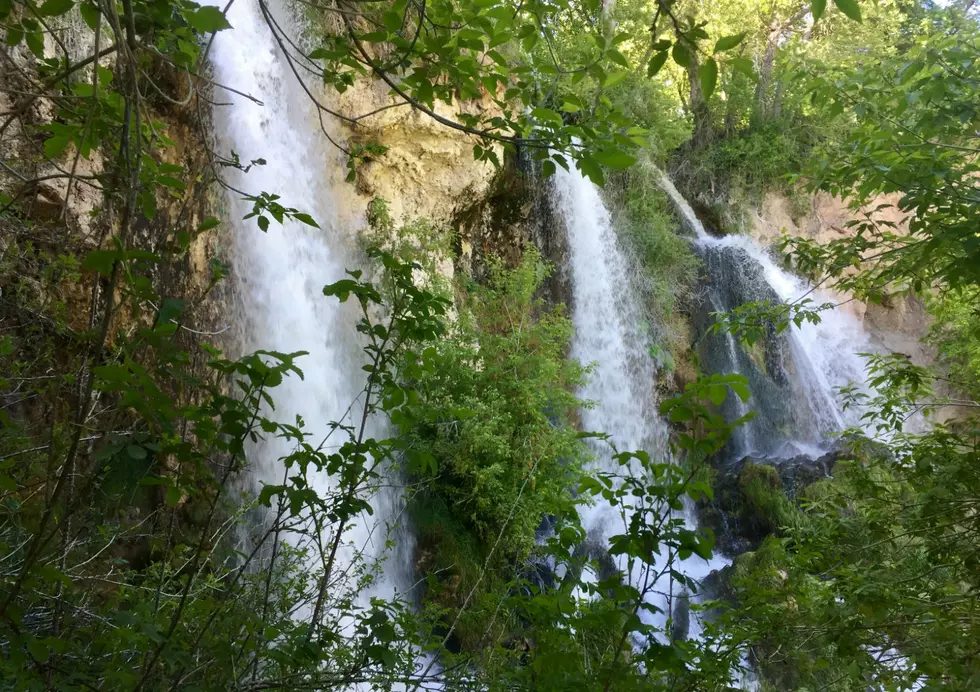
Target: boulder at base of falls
<point x="754" y="497"/>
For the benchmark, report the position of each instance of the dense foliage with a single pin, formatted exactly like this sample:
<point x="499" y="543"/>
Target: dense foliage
<point x="137" y="547"/>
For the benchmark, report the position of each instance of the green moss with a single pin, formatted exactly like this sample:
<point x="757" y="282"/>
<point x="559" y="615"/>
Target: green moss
<point x="446" y="548"/>
<point x="763" y="505"/>
<point x="761" y="569"/>
<point x="757" y="352"/>
<point x="451" y="557"/>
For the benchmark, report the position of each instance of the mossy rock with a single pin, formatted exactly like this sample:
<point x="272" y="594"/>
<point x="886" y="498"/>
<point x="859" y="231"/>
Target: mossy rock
<point x="448" y="560"/>
<point x="752" y="501"/>
<point x="763" y="505"/>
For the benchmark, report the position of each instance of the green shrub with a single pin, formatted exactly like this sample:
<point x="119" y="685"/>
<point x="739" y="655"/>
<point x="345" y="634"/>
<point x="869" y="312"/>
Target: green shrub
<point x="644" y="219"/>
<point x="732" y="174"/>
<point x="495" y="415"/>
<point x="956" y="334"/>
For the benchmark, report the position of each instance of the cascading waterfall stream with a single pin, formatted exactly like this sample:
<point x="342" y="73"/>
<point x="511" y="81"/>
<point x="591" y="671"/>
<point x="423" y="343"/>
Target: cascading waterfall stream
<point x="607" y="318"/>
<point x="820" y="357"/>
<point x="281" y="273"/>
<point x="823" y="356"/>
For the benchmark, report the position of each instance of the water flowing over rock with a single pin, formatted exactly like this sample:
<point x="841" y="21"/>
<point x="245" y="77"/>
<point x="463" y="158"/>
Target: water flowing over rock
<point x="280" y="274"/>
<point x="794" y="377"/>
<point x="608" y="321"/>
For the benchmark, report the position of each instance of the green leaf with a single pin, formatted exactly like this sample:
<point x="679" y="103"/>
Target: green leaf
<point x="741" y="389"/>
<point x="615" y="78"/>
<point x="208" y="224"/>
<point x="614" y="158"/>
<point x="208" y="20"/>
<point x="682" y="54"/>
<point x="679" y="414"/>
<point x="850" y="8"/>
<point x="263" y="222"/>
<point x="54" y="8"/>
<point x="744" y="65"/>
<point x="717" y="394"/>
<point x="546" y="115"/>
<point x="817" y="7"/>
<point x="55" y="146"/>
<point x="728" y="42"/>
<point x="38" y="651"/>
<point x="35" y="42"/>
<point x="592" y="170"/>
<point x="305" y="218"/>
<point x="135" y="452"/>
<point x="392" y="21"/>
<point x="171" y="309"/>
<point x="90" y="14"/>
<point x="656" y="62"/>
<point x="6" y="7"/>
<point x="173" y="495"/>
<point x="14" y="36"/>
<point x="101" y="260"/>
<point x="708" y="76"/>
<point x="618" y="58"/>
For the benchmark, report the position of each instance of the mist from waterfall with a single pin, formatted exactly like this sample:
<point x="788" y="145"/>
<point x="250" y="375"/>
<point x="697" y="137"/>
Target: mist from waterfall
<point x="280" y="274"/>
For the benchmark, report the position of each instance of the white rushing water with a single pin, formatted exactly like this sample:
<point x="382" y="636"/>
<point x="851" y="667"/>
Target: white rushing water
<point x="826" y="354"/>
<point x="280" y="274"/>
<point x="608" y="332"/>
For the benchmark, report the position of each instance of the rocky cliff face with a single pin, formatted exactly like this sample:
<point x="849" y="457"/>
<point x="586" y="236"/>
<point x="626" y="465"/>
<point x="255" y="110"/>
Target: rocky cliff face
<point x="428" y="170"/>
<point x="58" y="206"/>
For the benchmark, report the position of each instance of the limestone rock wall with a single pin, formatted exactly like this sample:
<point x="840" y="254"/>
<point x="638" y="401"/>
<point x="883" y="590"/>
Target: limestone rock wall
<point x="428" y="170"/>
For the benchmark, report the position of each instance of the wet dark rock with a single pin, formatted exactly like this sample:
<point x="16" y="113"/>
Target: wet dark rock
<point x="594" y="548"/>
<point x="717" y="586"/>
<point x="680" y="625"/>
<point x="516" y="213"/>
<point x="796" y="473"/>
<point x="540" y="574"/>
<point x="784" y="393"/>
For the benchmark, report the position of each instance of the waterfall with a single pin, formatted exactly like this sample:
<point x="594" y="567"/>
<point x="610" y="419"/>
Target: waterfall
<point x="280" y="274"/>
<point x="808" y="366"/>
<point x="794" y="377"/>
<point x="608" y="321"/>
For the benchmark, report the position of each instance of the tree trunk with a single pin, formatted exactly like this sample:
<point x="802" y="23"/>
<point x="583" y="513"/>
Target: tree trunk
<point x="762" y="103"/>
<point x="703" y="132"/>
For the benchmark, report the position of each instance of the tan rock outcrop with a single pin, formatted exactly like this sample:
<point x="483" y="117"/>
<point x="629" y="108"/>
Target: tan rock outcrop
<point x="826" y="219"/>
<point x="428" y="170"/>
